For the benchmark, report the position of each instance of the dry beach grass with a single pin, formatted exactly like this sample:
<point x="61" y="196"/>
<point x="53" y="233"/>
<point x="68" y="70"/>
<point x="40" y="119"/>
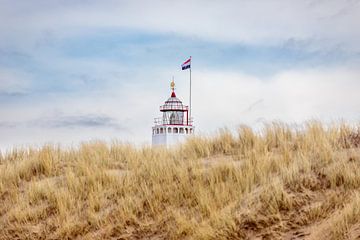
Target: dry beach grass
<point x="280" y="183"/>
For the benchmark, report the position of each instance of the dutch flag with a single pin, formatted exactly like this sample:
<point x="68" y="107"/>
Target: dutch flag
<point x="186" y="64"/>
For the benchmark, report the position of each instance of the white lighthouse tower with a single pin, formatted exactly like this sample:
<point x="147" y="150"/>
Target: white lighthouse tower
<point x="175" y="125"/>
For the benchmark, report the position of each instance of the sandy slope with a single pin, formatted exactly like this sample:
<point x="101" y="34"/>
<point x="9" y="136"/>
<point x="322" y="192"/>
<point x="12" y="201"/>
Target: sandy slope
<point x="282" y="183"/>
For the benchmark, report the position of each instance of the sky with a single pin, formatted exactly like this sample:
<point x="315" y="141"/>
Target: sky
<point x="77" y="71"/>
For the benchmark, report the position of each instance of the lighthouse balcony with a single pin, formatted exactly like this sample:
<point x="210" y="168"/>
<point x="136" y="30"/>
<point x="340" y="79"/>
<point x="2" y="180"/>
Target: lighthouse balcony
<point x="161" y="121"/>
<point x="174" y="106"/>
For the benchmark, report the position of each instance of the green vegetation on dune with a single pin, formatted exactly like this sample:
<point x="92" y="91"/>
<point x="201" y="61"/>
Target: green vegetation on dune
<point x="280" y="183"/>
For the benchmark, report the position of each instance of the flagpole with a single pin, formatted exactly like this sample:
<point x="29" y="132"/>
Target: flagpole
<point x="190" y="90"/>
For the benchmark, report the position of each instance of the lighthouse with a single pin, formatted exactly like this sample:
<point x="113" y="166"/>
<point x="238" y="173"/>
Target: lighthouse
<point x="175" y="125"/>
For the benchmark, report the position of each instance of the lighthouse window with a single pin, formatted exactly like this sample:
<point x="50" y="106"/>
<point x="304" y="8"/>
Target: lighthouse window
<point x="175" y="130"/>
<point x="172" y="119"/>
<point x="169" y="130"/>
<point x="157" y="131"/>
<point x="191" y="130"/>
<point x="186" y="130"/>
<point x="161" y="130"/>
<point x="181" y="130"/>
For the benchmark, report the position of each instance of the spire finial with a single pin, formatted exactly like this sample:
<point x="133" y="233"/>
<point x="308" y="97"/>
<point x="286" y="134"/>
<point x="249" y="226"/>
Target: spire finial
<point x="172" y="84"/>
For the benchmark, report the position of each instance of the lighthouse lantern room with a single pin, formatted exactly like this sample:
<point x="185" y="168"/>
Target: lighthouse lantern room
<point x="175" y="125"/>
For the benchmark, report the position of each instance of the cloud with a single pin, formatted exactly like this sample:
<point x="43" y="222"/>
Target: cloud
<point x="13" y="82"/>
<point x="327" y="94"/>
<point x="7" y="54"/>
<point x="252" y="22"/>
<point x="78" y="70"/>
<point x="66" y="130"/>
<point x="219" y="99"/>
<point x="253" y="105"/>
<point x="6" y="124"/>
<point x="79" y="121"/>
<point x="70" y="122"/>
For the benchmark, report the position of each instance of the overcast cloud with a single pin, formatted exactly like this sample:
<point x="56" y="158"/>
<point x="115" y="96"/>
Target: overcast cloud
<point x="74" y="71"/>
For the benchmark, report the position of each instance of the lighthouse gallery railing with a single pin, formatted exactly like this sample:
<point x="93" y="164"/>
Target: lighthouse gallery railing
<point x="162" y="121"/>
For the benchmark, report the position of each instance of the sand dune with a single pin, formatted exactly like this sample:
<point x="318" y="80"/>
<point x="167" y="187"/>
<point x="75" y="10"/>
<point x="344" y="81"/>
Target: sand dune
<point x="280" y="183"/>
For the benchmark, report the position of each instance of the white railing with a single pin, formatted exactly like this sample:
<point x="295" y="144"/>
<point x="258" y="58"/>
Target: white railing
<point x="162" y="121"/>
<point x="174" y="107"/>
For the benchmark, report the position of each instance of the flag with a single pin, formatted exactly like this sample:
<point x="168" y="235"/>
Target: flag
<point x="186" y="64"/>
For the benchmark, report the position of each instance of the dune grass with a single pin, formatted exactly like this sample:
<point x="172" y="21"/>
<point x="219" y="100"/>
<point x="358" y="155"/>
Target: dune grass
<point x="280" y="183"/>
